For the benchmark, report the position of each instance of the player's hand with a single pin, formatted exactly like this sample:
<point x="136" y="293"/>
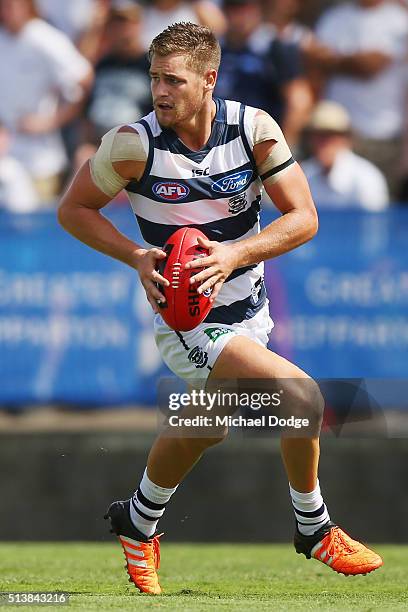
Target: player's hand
<point x="146" y="262"/>
<point x="219" y="264"/>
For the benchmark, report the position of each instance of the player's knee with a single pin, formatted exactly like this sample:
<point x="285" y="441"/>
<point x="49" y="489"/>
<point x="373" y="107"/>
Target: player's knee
<point x="220" y="436"/>
<point x="306" y="401"/>
<point x="200" y="443"/>
<point x="316" y="403"/>
<point x="216" y="437"/>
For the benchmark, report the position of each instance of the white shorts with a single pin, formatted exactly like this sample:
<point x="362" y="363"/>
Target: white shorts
<point x="191" y="355"/>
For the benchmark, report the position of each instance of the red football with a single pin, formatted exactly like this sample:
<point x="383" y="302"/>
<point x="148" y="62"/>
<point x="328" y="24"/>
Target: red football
<point x="184" y="308"/>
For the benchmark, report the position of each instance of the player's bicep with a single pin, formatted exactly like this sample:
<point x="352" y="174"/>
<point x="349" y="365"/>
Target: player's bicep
<point x="271" y="151"/>
<point x="291" y="192"/>
<point x="101" y="165"/>
<point x="120" y="158"/>
<point x="83" y="192"/>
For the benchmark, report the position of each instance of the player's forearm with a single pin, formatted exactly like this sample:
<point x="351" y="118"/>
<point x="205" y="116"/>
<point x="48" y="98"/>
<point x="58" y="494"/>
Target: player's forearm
<point x="285" y="234"/>
<point x="92" y="228"/>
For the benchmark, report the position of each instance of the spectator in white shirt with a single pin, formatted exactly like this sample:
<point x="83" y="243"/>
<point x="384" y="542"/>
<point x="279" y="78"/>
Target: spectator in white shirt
<point x="339" y="178"/>
<point x="83" y="21"/>
<point x="44" y="82"/>
<point x="72" y="17"/>
<point x="367" y="73"/>
<point x="17" y="193"/>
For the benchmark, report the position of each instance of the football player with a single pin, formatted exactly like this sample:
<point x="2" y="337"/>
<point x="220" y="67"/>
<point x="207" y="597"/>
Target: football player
<point x="202" y="161"/>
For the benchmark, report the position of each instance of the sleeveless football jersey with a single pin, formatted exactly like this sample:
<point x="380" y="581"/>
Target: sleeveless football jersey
<point x="216" y="190"/>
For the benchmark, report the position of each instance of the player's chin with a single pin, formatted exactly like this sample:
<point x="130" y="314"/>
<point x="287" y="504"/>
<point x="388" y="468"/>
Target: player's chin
<point x="166" y="117"/>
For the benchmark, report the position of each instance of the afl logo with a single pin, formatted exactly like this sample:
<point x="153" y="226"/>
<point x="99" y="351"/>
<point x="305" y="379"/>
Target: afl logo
<point x="171" y="192"/>
<point x="232" y="183"/>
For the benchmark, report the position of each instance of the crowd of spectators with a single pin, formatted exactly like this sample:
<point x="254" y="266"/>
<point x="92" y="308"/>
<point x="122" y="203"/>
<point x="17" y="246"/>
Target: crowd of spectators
<point x="337" y="85"/>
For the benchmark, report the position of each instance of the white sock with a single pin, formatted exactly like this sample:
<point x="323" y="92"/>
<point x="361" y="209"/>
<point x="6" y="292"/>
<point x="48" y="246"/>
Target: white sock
<point x="148" y="505"/>
<point x="310" y="510"/>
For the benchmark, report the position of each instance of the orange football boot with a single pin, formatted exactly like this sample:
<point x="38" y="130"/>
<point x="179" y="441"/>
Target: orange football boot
<point x="142" y="554"/>
<point x="332" y="546"/>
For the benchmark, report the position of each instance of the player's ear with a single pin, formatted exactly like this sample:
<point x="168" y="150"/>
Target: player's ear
<point x="210" y="78"/>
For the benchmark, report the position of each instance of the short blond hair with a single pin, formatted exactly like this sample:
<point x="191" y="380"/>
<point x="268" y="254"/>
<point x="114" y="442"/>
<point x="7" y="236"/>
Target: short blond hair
<point x="197" y="42"/>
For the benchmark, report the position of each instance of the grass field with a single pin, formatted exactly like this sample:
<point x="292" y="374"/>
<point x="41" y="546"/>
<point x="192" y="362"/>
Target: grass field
<point x="204" y="577"/>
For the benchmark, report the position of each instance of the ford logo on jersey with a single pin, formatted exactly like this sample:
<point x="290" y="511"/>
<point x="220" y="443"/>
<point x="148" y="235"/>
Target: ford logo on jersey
<point x="171" y="192"/>
<point x="232" y="183"/>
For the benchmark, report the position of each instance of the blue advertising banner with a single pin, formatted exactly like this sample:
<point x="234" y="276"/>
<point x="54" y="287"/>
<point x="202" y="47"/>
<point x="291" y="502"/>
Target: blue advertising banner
<point x="75" y="326"/>
<point x="340" y="301"/>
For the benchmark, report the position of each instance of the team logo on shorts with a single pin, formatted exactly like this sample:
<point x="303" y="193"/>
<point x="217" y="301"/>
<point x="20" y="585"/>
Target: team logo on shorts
<point x="256" y="290"/>
<point x="198" y="357"/>
<point x="233" y="182"/>
<point x="215" y="332"/>
<point x="170" y="191"/>
<point x="237" y="203"/>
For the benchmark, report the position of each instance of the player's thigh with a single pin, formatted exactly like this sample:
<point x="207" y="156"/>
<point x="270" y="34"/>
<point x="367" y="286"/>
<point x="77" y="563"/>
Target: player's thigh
<point x="244" y="359"/>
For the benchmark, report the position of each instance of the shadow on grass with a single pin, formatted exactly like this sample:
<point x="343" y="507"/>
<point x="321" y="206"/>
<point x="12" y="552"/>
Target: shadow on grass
<point x="191" y="593"/>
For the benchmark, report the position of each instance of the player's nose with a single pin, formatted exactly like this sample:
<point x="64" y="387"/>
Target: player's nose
<point x="160" y="90"/>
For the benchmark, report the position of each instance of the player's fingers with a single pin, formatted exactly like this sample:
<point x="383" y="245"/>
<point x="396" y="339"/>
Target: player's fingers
<point x="209" y="283"/>
<point x="153" y="304"/>
<point x="203" y="275"/>
<point x="158" y="253"/>
<point x="216" y="290"/>
<point x="204" y="242"/>
<point x="153" y="291"/>
<point x="158" y="278"/>
<point x="200" y="262"/>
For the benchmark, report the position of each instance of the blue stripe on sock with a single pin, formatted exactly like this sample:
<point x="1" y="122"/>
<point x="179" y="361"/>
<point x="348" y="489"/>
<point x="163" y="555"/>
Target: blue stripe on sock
<point x="312" y="514"/>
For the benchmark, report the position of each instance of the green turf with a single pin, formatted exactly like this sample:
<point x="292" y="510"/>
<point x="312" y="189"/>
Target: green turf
<point x="203" y="577"/>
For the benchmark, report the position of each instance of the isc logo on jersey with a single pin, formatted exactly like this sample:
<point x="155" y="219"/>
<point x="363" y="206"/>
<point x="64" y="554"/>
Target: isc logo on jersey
<point x="171" y="192"/>
<point x="232" y="183"/>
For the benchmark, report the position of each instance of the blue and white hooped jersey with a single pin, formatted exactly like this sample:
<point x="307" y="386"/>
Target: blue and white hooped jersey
<point x="216" y="190"/>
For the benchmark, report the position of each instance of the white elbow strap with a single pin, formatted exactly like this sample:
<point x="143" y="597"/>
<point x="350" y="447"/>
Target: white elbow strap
<point x="280" y="156"/>
<point x="115" y="146"/>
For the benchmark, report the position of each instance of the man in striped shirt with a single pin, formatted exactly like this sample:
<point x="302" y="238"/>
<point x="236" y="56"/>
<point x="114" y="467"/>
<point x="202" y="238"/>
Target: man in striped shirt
<point x="200" y="161"/>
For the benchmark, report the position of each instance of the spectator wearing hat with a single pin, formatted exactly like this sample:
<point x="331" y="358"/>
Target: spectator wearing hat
<point x="262" y="71"/>
<point x="45" y="81"/>
<point x="366" y="71"/>
<point x="338" y="178"/>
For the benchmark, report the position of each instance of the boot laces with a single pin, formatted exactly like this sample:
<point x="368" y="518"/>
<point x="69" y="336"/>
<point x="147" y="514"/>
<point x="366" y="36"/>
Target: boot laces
<point x="338" y="543"/>
<point x="156" y="550"/>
